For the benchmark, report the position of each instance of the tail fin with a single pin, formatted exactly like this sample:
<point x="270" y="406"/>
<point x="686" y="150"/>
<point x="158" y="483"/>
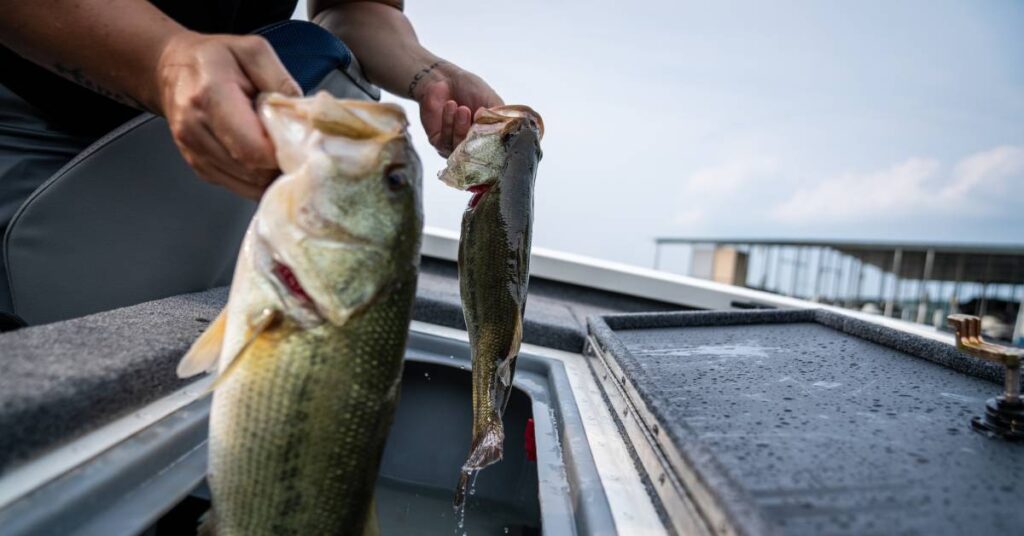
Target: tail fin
<point x="486" y="449"/>
<point x="460" y="490"/>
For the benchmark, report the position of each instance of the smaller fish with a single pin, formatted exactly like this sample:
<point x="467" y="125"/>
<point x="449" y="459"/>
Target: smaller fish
<point x="497" y="163"/>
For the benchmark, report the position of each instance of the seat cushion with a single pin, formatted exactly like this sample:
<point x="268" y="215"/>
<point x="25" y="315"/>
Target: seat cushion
<point x="128" y="221"/>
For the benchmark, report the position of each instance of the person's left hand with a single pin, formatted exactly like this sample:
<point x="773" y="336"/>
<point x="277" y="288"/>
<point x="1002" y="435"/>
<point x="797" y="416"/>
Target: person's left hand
<point x="449" y="97"/>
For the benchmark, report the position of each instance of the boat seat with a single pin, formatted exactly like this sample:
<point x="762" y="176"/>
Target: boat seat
<point x="128" y="221"/>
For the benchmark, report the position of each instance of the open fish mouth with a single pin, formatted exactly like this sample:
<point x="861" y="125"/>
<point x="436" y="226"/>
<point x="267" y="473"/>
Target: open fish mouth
<point x="298" y="303"/>
<point x="286" y="277"/>
<point x="479" y="159"/>
<point x="478" y="191"/>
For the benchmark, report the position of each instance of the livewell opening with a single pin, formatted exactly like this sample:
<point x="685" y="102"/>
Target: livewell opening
<point x="428" y="443"/>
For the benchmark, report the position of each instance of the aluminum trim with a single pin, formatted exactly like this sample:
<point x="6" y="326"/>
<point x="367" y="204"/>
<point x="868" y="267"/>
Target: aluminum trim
<point x="22" y="479"/>
<point x="687" y="513"/>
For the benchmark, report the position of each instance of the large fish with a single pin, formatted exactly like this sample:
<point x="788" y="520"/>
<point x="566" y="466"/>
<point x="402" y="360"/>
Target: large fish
<point x="498" y="163"/>
<point x="309" y="347"/>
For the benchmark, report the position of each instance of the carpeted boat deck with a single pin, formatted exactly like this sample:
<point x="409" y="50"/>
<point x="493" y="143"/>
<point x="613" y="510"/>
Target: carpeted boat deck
<point x="60" y="380"/>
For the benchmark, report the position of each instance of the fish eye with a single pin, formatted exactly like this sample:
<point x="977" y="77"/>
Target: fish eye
<point x="395" y="178"/>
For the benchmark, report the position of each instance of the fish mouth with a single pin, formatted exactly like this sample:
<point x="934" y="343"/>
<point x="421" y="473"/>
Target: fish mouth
<point x="295" y="300"/>
<point x="286" y="277"/>
<point x="478" y="191"/>
<point x="300" y="306"/>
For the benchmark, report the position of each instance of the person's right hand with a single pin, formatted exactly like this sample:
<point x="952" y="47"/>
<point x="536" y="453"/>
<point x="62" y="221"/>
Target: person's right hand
<point x="207" y="85"/>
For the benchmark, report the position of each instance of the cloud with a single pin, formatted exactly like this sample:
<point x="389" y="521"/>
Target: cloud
<point x="713" y="191"/>
<point x="988" y="169"/>
<point x="730" y="177"/>
<point x="855" y="196"/>
<point x="915" y="187"/>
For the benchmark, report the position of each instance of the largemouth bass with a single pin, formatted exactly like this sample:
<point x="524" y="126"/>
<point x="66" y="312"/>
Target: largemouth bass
<point x="498" y="163"/>
<point x="309" y="347"/>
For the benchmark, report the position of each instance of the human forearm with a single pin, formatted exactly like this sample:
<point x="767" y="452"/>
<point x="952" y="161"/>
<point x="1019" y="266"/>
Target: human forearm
<point x="384" y="41"/>
<point x="382" y="38"/>
<point x="204" y="85"/>
<point x="112" y="47"/>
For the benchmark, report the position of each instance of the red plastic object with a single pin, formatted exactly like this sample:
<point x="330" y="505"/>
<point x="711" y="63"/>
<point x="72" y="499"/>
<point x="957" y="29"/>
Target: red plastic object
<point x="530" y="441"/>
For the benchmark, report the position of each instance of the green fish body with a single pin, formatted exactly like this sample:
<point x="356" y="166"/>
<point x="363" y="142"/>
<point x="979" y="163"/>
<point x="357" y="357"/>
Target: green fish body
<point x="310" y="346"/>
<point x="498" y="163"/>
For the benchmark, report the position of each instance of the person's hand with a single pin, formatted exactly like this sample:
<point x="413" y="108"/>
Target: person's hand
<point x="206" y="85"/>
<point x="449" y="97"/>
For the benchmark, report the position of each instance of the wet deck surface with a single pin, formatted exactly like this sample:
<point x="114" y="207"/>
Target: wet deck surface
<point x="817" y="431"/>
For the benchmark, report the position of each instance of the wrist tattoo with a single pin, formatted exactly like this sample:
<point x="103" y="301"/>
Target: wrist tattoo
<point x="422" y="74"/>
<point x="75" y="75"/>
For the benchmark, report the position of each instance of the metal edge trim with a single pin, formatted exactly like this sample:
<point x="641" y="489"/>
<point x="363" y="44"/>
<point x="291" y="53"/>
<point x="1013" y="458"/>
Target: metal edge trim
<point x="592" y="506"/>
<point x="721" y="500"/>
<point x="680" y="507"/>
<point x="36" y="473"/>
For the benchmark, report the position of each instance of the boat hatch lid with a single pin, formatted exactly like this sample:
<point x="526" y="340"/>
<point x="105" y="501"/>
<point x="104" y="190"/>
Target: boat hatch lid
<point x="807" y="422"/>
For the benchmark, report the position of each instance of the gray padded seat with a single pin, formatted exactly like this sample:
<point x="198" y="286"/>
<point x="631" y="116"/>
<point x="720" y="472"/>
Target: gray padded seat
<point x="128" y="221"/>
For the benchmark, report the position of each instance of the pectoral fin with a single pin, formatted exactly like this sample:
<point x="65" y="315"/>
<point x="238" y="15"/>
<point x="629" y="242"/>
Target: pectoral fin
<point x="262" y="322"/>
<point x="202" y="355"/>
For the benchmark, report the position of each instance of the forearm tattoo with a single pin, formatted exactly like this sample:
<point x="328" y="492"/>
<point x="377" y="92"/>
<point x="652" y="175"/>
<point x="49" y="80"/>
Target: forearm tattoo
<point x="76" y="75"/>
<point x="421" y="75"/>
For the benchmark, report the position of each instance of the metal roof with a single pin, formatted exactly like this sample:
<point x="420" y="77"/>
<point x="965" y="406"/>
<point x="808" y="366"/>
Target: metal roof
<point x="991" y="263"/>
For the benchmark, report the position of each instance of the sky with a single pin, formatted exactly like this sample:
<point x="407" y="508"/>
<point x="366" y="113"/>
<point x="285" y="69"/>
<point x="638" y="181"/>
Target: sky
<point x="784" y="119"/>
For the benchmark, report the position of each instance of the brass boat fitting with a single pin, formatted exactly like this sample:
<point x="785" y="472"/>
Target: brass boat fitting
<point x="1004" y="415"/>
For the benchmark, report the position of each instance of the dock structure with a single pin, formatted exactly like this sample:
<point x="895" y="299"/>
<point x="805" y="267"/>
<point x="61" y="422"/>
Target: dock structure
<point x="920" y="282"/>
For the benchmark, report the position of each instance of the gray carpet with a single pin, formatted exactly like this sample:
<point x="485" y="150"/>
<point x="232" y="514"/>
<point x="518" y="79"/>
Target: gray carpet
<point x="59" y="380"/>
